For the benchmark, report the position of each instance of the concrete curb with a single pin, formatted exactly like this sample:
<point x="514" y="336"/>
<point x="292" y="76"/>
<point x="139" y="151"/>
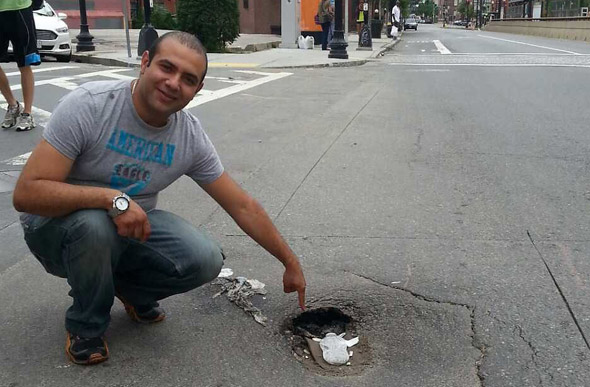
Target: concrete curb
<point x="102" y="61"/>
<point x="348" y="63"/>
<point x="93" y="59"/>
<point x="253" y="47"/>
<point x="387" y="47"/>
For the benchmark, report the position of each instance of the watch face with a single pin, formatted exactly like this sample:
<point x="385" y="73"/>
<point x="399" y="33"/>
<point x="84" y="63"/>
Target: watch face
<point x="122" y="204"/>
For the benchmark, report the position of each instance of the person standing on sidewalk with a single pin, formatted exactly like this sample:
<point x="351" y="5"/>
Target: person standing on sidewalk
<point x="325" y="14"/>
<point x="18" y="26"/>
<point x="396" y="15"/>
<point x="89" y="190"/>
<point x="332" y="23"/>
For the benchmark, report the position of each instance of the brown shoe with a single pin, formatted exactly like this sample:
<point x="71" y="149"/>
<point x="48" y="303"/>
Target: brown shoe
<point x="86" y="351"/>
<point x="143" y="314"/>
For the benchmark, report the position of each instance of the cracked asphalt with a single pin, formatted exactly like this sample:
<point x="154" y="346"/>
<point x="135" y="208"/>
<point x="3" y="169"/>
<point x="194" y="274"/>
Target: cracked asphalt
<point x="444" y="208"/>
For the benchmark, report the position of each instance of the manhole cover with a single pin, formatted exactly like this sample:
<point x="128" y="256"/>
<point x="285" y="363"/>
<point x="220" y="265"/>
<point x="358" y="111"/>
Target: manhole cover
<point x="316" y="323"/>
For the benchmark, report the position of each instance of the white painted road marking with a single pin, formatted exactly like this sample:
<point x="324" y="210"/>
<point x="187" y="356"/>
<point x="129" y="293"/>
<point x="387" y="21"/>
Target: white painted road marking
<point x="41" y="116"/>
<point x="43" y="70"/>
<point x="490" y="64"/>
<point x="428" y="70"/>
<point x="216" y="94"/>
<point x="204" y="96"/>
<point x="528" y="44"/>
<point x="516" y="54"/>
<point x="18" y="160"/>
<point x="105" y="73"/>
<point x="441" y="47"/>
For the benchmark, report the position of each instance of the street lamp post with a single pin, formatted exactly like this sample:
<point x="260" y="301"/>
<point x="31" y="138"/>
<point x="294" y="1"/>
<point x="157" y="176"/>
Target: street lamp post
<point x="148" y="34"/>
<point x="84" y="37"/>
<point x="338" y="45"/>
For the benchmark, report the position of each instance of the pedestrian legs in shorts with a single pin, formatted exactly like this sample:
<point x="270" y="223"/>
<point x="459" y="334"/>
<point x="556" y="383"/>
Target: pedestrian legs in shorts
<point x="18" y="27"/>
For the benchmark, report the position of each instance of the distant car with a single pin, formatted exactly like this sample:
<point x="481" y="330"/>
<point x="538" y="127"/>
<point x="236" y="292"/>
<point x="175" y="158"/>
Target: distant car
<point x="428" y="20"/>
<point x="461" y="23"/>
<point x="410" y="23"/>
<point x="53" y="35"/>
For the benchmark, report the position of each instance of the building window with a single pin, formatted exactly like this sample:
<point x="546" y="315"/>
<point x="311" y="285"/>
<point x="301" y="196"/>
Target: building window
<point x="246" y="4"/>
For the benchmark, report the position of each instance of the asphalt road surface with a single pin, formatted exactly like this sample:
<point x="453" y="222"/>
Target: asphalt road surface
<point x="437" y="195"/>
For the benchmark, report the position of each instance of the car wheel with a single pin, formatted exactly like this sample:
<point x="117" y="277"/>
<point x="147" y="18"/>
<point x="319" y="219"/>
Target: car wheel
<point x="64" y="58"/>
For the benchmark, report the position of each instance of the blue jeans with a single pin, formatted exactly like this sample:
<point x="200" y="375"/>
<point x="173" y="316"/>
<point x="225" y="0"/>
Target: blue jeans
<point x="325" y="32"/>
<point x="84" y="247"/>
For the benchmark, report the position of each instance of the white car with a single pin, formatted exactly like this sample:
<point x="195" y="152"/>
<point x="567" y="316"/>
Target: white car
<point x="53" y="35"/>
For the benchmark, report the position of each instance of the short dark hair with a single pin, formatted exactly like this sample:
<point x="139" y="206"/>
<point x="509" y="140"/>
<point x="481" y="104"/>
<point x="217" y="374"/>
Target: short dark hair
<point x="184" y="38"/>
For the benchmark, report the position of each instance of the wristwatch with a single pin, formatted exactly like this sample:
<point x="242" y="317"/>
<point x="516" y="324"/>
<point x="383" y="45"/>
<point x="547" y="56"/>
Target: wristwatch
<point x="120" y="205"/>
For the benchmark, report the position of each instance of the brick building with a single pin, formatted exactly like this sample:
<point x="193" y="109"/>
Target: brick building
<point x="256" y="16"/>
<point x="100" y="13"/>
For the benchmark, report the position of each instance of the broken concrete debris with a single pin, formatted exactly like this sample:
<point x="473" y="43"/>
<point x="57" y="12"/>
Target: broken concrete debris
<point x="239" y="291"/>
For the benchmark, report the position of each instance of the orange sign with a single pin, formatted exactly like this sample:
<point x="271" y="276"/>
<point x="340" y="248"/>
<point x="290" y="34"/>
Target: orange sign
<point x="309" y="8"/>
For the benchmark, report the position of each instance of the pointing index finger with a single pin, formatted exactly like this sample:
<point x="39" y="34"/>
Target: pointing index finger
<point x="301" y="294"/>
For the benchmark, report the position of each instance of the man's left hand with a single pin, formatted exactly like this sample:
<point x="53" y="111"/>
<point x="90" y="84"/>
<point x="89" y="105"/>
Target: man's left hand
<point x="293" y="280"/>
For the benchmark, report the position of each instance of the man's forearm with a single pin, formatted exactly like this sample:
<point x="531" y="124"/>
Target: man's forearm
<point x="54" y="199"/>
<point x="255" y="222"/>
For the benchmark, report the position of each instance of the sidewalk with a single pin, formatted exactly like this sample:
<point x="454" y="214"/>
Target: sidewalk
<point x="248" y="51"/>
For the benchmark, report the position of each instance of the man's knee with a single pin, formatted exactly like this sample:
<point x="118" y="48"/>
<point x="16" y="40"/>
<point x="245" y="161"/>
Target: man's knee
<point x="92" y="228"/>
<point x="203" y="262"/>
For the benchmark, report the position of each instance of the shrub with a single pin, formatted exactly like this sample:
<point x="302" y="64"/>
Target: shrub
<point x="214" y="22"/>
<point x="137" y="21"/>
<point x="160" y="18"/>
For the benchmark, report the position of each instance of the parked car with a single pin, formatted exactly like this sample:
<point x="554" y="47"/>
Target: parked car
<point x="410" y="23"/>
<point x="461" y="23"/>
<point x="53" y="35"/>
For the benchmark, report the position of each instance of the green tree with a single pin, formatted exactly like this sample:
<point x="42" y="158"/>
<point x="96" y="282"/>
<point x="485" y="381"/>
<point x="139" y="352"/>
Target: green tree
<point x="214" y="22"/>
<point x="161" y="18"/>
<point x="466" y="10"/>
<point x="427" y="9"/>
<point x="404" y="5"/>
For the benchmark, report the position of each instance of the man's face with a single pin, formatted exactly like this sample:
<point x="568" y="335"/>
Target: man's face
<point x="173" y="78"/>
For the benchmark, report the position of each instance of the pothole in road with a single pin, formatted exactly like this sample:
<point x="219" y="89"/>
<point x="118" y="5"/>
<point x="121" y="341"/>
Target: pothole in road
<point x="316" y="323"/>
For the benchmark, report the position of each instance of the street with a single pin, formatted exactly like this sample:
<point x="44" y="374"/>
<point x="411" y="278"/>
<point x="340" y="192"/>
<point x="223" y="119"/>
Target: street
<point x="437" y="195"/>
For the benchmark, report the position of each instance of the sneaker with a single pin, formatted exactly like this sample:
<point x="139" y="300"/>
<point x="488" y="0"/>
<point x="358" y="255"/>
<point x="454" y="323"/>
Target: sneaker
<point x="86" y="351"/>
<point x="147" y="314"/>
<point x="12" y="114"/>
<point x="24" y="122"/>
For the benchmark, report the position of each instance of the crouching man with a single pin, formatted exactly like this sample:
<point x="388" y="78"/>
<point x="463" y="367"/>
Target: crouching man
<point x="88" y="195"/>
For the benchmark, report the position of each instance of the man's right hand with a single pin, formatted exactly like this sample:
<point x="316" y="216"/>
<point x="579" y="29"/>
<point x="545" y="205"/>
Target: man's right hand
<point x="133" y="223"/>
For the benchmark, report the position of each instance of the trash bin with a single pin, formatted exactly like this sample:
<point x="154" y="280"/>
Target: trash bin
<point x="376" y="26"/>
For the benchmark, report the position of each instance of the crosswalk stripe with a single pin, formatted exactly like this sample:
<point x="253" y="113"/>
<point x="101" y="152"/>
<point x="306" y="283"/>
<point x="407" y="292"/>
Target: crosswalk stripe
<point x="441" y="47"/>
<point x="267" y="77"/>
<point x="41" y="116"/>
<point x="64" y="84"/>
<point x="104" y="73"/>
<point x="204" y="96"/>
<point x="118" y="76"/>
<point x="35" y="71"/>
<point x="18" y="160"/>
<point x="528" y="44"/>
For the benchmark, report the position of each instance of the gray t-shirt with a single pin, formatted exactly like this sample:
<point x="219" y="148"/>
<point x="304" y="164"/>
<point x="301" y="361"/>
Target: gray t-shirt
<point x="96" y="125"/>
